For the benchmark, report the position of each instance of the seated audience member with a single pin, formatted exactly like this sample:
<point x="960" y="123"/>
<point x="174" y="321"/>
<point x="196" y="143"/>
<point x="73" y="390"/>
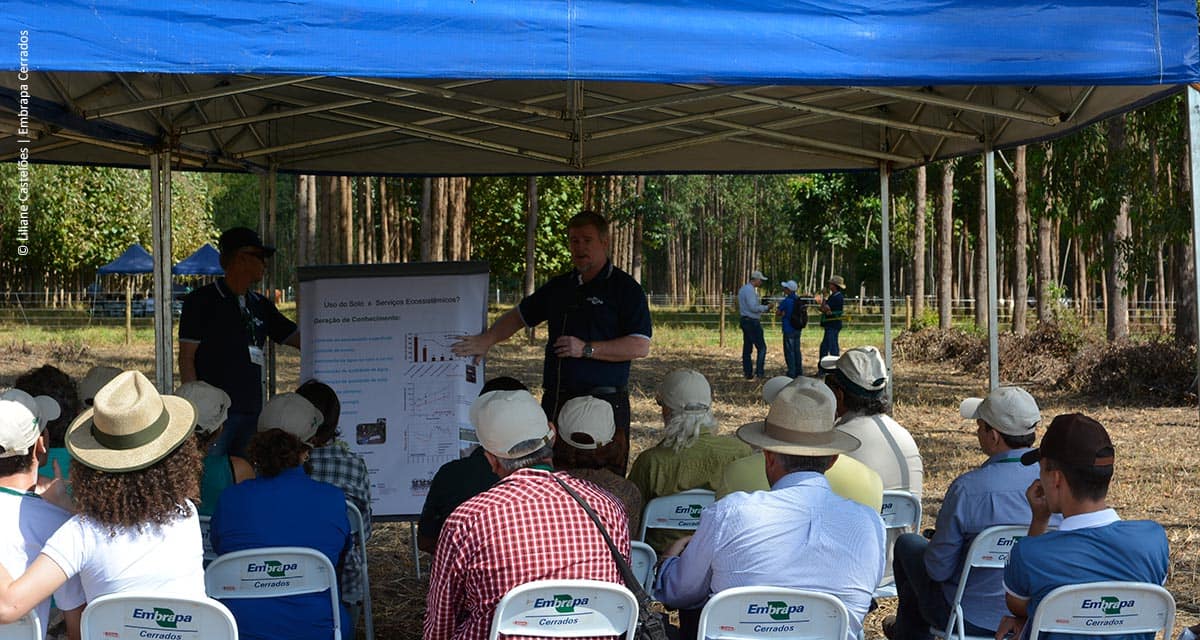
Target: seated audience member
<point x="798" y="535"/>
<point x="860" y="384"/>
<point x="26" y="520"/>
<point x="48" y="380"/>
<point x="1075" y="465"/>
<point x="283" y="507"/>
<point x="93" y="381"/>
<point x="690" y="454"/>
<point x="458" y="480"/>
<point x="135" y="477"/>
<point x="928" y="571"/>
<point x="220" y="470"/>
<point x="525" y="528"/>
<point x="847" y="477"/>
<point x="586" y="423"/>
<point x="332" y="461"/>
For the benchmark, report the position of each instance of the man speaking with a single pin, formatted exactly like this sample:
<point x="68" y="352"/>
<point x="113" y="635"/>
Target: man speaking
<point x="598" y="321"/>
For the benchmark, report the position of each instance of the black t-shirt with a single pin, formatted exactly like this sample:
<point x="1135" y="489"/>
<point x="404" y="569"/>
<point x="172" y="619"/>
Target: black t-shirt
<point x="213" y="317"/>
<point x="611" y="305"/>
<point x="454" y="483"/>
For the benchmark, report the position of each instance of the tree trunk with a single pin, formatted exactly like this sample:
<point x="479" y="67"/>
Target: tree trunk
<point x="981" y="262"/>
<point x="946" y="244"/>
<point x="531" y="225"/>
<point x="427" y="220"/>
<point x="918" y="276"/>
<point x="346" y="215"/>
<point x="1160" y="290"/>
<point x="1116" y="308"/>
<point x="303" y="215"/>
<point x="1020" y="283"/>
<point x="456" y="211"/>
<point x="638" y="221"/>
<point x="1045" y="261"/>
<point x="386" y="212"/>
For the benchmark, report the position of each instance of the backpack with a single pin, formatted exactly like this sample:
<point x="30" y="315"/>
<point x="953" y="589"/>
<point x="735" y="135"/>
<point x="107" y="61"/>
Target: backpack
<point x="798" y="318"/>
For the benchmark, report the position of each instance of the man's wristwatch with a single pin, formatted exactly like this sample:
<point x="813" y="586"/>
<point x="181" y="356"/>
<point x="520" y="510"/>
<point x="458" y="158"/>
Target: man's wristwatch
<point x="588" y="350"/>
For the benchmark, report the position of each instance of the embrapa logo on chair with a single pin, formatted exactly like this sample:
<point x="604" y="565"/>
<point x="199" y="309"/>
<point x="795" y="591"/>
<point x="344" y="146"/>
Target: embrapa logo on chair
<point x="161" y="616"/>
<point x="273" y="568"/>
<point x="689" y="510"/>
<point x="562" y="603"/>
<point x="1108" y="605"/>
<point x="775" y="609"/>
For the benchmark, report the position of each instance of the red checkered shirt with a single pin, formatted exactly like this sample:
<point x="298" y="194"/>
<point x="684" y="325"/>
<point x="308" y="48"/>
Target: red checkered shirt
<point x="523" y="529"/>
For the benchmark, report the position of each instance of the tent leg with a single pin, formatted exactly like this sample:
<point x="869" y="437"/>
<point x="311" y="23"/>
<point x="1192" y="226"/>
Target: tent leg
<point x="266" y="226"/>
<point x="885" y="196"/>
<point x="160" y="220"/>
<point x="1193" y="103"/>
<point x="989" y="160"/>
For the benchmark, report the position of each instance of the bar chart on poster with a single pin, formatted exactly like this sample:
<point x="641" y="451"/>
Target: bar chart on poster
<point x="405" y="395"/>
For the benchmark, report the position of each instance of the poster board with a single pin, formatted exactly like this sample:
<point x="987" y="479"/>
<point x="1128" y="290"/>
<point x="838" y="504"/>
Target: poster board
<point x="380" y="335"/>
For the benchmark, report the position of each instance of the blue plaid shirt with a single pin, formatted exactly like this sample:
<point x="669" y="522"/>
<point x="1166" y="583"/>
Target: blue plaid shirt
<point x="341" y="467"/>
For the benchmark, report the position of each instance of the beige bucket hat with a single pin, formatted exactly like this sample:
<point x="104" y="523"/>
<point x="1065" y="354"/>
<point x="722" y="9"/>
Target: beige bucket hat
<point x="130" y="426"/>
<point x="800" y="423"/>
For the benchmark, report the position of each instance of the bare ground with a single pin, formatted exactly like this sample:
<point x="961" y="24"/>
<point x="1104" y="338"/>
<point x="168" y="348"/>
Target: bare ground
<point x="1157" y="449"/>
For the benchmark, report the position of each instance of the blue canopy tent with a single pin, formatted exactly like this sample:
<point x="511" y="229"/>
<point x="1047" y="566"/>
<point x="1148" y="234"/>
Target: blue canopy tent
<point x="132" y="261"/>
<point x="204" y="261"/>
<point x="583" y="86"/>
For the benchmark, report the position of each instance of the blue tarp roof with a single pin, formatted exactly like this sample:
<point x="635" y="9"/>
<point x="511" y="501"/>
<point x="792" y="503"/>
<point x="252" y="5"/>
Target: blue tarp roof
<point x="826" y="42"/>
<point x="205" y="261"/>
<point x="134" y="260"/>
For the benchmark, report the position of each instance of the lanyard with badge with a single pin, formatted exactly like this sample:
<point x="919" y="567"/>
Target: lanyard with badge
<point x="256" y="352"/>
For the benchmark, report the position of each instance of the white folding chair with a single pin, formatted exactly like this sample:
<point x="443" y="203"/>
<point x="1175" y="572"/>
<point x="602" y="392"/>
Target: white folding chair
<point x="272" y="572"/>
<point x="901" y="513"/>
<point x="566" y="609"/>
<point x="28" y="627"/>
<point x="1105" y="609"/>
<point x="642" y="559"/>
<point x="773" y="612"/>
<point x="676" y="511"/>
<point x="134" y="614"/>
<point x="989" y="550"/>
<point x="358" y="529"/>
<point x="206" y="538"/>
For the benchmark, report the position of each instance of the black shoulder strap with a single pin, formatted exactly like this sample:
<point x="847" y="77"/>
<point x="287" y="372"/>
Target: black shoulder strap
<point x="631" y="581"/>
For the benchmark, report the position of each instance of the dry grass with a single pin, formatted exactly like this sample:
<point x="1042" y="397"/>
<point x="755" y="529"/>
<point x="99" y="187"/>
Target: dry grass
<point x="1156" y="449"/>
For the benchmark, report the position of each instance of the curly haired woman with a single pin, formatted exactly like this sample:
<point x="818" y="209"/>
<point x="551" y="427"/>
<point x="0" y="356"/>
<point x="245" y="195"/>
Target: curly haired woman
<point x="136" y="526"/>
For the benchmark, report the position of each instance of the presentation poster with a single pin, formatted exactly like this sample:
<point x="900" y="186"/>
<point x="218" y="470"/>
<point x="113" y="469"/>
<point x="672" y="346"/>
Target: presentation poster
<point x="380" y="335"/>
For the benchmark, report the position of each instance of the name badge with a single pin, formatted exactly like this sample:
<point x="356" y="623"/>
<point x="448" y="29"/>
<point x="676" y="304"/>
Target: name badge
<point x="256" y="356"/>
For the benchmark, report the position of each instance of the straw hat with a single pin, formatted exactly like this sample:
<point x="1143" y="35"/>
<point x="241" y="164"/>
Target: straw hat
<point x="800" y="423"/>
<point x="130" y="426"/>
<point x="96" y="378"/>
<point x="838" y="281"/>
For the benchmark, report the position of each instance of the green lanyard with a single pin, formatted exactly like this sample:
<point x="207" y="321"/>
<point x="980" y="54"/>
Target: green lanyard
<point x="20" y="494"/>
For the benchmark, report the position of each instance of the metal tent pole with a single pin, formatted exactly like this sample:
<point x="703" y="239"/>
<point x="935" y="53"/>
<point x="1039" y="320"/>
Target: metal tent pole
<point x="160" y="222"/>
<point x="989" y="163"/>
<point x="885" y="175"/>
<point x="1193" y="103"/>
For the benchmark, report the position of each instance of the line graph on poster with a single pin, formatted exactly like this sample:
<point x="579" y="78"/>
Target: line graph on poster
<point x="430" y="442"/>
<point x="435" y="398"/>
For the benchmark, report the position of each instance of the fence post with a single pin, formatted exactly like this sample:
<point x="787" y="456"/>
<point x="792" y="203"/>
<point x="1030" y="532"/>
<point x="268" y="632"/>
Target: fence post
<point x="721" y="300"/>
<point x="908" y="312"/>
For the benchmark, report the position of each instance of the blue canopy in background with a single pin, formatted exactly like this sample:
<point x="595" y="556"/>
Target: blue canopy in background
<point x="134" y="260"/>
<point x="205" y="261"/>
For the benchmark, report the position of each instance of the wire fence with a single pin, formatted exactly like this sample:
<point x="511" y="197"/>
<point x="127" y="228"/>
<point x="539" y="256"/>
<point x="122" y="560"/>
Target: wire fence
<point x="77" y="309"/>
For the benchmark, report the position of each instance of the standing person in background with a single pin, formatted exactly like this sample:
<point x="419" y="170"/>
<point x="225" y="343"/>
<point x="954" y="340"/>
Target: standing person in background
<point x="222" y="331"/>
<point x="598" y="321"/>
<point x="793" y="320"/>
<point x="750" y="310"/>
<point x="831" y="316"/>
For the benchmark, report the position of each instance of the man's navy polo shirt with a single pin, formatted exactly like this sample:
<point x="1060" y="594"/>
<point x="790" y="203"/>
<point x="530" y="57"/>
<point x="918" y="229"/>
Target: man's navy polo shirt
<point x="213" y="318"/>
<point x="611" y="305"/>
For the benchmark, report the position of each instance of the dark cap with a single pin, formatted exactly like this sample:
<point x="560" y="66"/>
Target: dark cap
<point x="241" y="237"/>
<point x="1077" y="441"/>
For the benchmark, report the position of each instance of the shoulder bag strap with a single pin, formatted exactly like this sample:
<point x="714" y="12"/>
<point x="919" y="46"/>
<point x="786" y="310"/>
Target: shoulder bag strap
<point x="631" y="581"/>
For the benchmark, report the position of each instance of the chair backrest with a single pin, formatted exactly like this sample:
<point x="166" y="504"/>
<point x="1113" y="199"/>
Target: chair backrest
<point x="566" y="609"/>
<point x="206" y="537"/>
<point x="676" y="511"/>
<point x="642" y="559"/>
<point x="989" y="550"/>
<point x="135" y="614"/>
<point x="28" y="627"/>
<point x="360" y="539"/>
<point x="773" y="612"/>
<point x="900" y="510"/>
<point x="272" y="572"/>
<point x="1105" y="608"/>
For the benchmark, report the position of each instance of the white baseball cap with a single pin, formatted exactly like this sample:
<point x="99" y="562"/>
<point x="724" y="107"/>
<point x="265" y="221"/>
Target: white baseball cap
<point x="212" y="404"/>
<point x="505" y="419"/>
<point x="291" y="413"/>
<point x="685" y="390"/>
<point x="1009" y="410"/>
<point x="827" y="364"/>
<point x="586" y="416"/>
<point x="22" y="419"/>
<point x="790" y="285"/>
<point x="864" y="368"/>
<point x="96" y="378"/>
<point x="757" y="275"/>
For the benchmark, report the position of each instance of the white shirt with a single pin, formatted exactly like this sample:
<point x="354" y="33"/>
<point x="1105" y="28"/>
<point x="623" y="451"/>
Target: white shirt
<point x="167" y="559"/>
<point x="1089" y="520"/>
<point x="889" y="449"/>
<point x="748" y="303"/>
<point x="799" y="535"/>
<point x="26" y="522"/>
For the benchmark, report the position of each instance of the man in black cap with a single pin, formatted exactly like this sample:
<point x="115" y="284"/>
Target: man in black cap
<point x="222" y="331"/>
<point x="1092" y="544"/>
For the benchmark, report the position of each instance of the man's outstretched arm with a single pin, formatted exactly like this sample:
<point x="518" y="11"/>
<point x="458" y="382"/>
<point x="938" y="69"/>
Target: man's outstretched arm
<point x="501" y="330"/>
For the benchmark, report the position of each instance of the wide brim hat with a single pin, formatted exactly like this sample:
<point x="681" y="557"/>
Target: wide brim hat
<point x="96" y="378"/>
<point x="838" y="281"/>
<point x="800" y="423"/>
<point x="130" y="426"/>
